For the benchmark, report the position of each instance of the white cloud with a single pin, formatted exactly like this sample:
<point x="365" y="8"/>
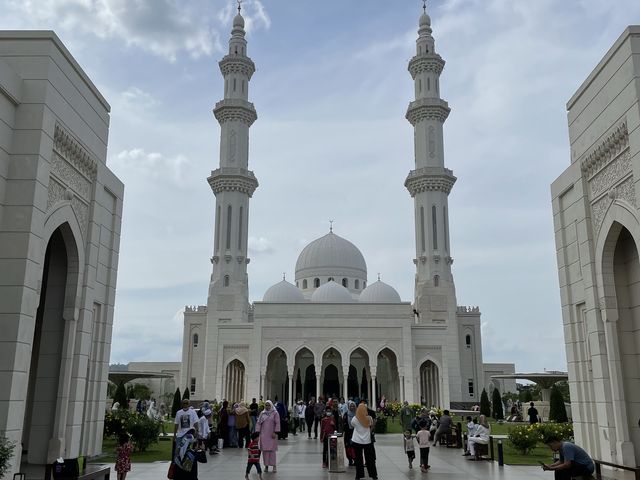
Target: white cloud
<point x="259" y="245"/>
<point x="153" y="165"/>
<point x="165" y="28"/>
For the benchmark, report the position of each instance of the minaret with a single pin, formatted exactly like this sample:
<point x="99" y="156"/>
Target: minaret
<point x="233" y="185"/>
<point x="430" y="183"/>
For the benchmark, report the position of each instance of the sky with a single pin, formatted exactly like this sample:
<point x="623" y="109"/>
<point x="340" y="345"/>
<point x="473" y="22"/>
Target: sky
<point x="331" y="142"/>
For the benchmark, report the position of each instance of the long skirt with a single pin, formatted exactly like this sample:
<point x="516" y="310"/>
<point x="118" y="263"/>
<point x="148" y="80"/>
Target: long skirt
<point x="269" y="458"/>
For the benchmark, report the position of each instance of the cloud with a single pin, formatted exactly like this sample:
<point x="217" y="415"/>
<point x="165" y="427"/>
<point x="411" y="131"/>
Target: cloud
<point x="259" y="245"/>
<point x="167" y="28"/>
<point x="154" y="165"/>
<point x="136" y="98"/>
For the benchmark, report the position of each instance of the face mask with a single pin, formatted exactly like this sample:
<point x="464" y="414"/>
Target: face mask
<point x="328" y="414"/>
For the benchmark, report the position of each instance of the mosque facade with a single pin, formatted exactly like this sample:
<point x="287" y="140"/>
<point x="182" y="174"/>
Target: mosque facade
<point x="597" y="233"/>
<point x="332" y="332"/>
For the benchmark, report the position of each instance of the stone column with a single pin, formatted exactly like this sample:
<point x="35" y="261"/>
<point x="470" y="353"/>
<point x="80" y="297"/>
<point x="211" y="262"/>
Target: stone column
<point x="317" y="385"/>
<point x="345" y="375"/>
<point x="290" y="402"/>
<point x="261" y="392"/>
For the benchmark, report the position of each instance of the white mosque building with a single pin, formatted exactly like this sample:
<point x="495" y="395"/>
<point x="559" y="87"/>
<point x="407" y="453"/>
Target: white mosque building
<point x="333" y="332"/>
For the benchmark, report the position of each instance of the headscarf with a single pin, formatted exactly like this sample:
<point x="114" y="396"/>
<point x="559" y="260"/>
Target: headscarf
<point x="269" y="412"/>
<point x="350" y="413"/>
<point x="362" y="414"/>
<point x="483" y="421"/>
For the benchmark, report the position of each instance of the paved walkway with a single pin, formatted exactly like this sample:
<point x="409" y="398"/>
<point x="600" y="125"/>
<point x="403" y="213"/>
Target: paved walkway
<point x="299" y="458"/>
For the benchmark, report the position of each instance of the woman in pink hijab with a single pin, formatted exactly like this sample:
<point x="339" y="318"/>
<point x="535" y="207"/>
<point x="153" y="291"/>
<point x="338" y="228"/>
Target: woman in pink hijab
<point x="268" y="425"/>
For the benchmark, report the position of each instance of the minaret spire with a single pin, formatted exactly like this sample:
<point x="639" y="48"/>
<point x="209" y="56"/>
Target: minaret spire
<point x="430" y="182"/>
<point x="233" y="183"/>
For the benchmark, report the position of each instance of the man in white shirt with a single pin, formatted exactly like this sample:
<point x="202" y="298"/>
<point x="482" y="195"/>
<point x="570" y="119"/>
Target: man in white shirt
<point x="186" y="419"/>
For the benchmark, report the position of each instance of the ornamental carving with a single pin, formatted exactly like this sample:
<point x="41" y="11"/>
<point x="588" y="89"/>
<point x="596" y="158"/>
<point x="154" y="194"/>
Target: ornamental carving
<point x="610" y="147"/>
<point x="230" y="110"/>
<point x="70" y="176"/>
<point x="56" y="193"/>
<point x="74" y="153"/>
<point x="610" y="174"/>
<point x="427" y="109"/>
<point x="627" y="191"/>
<point x="429" y="179"/>
<point x="432" y="142"/>
<point x="599" y="209"/>
<point x="233" y="180"/>
<point x="427" y="62"/>
<point x="237" y="64"/>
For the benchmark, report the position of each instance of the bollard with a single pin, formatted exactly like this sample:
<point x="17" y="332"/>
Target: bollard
<point x="500" y="454"/>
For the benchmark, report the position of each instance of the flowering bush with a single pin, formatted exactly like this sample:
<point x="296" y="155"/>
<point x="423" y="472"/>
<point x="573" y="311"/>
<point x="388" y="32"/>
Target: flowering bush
<point x="6" y="452"/>
<point x="524" y="438"/>
<point x="143" y="430"/>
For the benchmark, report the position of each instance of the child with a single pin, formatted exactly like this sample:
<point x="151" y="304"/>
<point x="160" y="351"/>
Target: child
<point x="327" y="427"/>
<point x="123" y="456"/>
<point x="409" y="447"/>
<point x="254" y="456"/>
<point x="424" y="437"/>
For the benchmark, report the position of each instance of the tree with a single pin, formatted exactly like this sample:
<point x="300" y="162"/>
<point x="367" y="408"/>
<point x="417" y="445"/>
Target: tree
<point x="141" y="391"/>
<point x="177" y="404"/>
<point x="498" y="411"/>
<point x="121" y="396"/>
<point x="485" y="405"/>
<point x="557" y="409"/>
<point x="186" y="393"/>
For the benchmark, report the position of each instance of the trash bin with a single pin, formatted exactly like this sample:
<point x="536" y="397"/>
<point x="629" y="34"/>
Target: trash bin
<point x="336" y="453"/>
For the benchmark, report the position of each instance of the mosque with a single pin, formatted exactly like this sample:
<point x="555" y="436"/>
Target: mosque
<point x="333" y="332"/>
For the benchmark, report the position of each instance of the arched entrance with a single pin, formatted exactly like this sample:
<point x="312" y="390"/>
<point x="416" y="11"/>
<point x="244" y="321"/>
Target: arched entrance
<point x="331" y="376"/>
<point x="235" y="380"/>
<point x="305" y="375"/>
<point x="430" y="384"/>
<point x="388" y="379"/>
<point x="46" y="401"/>
<point x="277" y="380"/>
<point x="356" y="381"/>
<point x="626" y="272"/>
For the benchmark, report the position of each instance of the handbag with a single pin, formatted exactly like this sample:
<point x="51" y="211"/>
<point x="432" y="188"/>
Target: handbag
<point x="201" y="456"/>
<point x="172" y="471"/>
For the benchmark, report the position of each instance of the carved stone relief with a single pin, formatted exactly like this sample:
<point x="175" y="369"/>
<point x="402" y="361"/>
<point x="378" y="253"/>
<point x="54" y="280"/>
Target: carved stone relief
<point x="432" y="142"/>
<point x="232" y="146"/>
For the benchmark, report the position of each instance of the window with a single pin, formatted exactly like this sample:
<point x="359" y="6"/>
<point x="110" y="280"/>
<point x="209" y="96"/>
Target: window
<point x="471" y="387"/>
<point x="467" y="341"/>
<point x="330" y="279"/>
<point x="226" y="280"/>
<point x="419" y="85"/>
<point x="434" y="221"/>
<point x="422" y="240"/>
<point x="234" y="83"/>
<point x="316" y="282"/>
<point x="304" y="284"/>
<point x="240" y="230"/>
<point x="229" y="227"/>
<point x="436" y="280"/>
<point x="345" y="282"/>
<point x="445" y="220"/>
<point x="357" y="284"/>
<point x="364" y="284"/>
<point x="192" y="388"/>
<point x="218" y="229"/>
<point x="297" y="285"/>
<point x="428" y="83"/>
<point x="195" y="340"/>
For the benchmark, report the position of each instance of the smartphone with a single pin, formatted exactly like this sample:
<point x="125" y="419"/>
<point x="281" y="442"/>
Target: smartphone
<point x="542" y="464"/>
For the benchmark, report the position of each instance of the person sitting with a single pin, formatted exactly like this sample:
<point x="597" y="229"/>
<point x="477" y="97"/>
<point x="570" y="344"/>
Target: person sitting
<point x="444" y="428"/>
<point x="573" y="462"/>
<point x="481" y="436"/>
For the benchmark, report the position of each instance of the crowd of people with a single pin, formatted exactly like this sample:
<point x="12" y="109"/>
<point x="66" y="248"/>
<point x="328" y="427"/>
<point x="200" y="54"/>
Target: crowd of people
<point x="257" y="427"/>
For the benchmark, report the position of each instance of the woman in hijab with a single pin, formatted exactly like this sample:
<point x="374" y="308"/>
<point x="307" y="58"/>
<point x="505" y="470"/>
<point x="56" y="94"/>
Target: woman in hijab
<point x="348" y="431"/>
<point x="361" y="441"/>
<point x="268" y="425"/>
<point x="481" y="436"/>
<point x="243" y="423"/>
<point x="223" y="420"/>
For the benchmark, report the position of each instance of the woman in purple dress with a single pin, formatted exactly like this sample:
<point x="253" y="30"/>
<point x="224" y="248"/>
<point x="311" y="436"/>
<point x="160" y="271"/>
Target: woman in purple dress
<point x="268" y="425"/>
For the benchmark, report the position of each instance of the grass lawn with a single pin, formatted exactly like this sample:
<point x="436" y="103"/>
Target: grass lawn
<point x="511" y="455"/>
<point x="160" y="451"/>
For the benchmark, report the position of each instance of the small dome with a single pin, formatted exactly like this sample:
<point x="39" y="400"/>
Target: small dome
<point x="283" y="292"/>
<point x="380" y="292"/>
<point x="331" y="292"/>
<point x="238" y="21"/>
<point x="425" y="20"/>
<point x="331" y="255"/>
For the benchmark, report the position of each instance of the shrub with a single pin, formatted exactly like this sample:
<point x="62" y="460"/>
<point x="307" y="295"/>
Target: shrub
<point x="121" y="396"/>
<point x="498" y="411"/>
<point x="524" y="438"/>
<point x="177" y="403"/>
<point x="143" y="430"/>
<point x="6" y="453"/>
<point x="485" y="405"/>
<point x="564" y="431"/>
<point x="381" y="424"/>
<point x="557" y="409"/>
<point x="186" y="393"/>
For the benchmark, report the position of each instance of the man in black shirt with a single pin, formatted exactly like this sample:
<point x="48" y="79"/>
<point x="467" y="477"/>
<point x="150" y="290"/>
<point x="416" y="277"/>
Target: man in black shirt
<point x="253" y="413"/>
<point x="533" y="414"/>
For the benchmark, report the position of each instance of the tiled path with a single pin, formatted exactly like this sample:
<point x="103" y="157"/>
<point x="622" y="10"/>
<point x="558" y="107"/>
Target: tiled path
<point x="300" y="458"/>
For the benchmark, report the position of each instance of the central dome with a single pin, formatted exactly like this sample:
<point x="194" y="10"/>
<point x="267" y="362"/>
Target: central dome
<point x="331" y="257"/>
<point x="329" y="254"/>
